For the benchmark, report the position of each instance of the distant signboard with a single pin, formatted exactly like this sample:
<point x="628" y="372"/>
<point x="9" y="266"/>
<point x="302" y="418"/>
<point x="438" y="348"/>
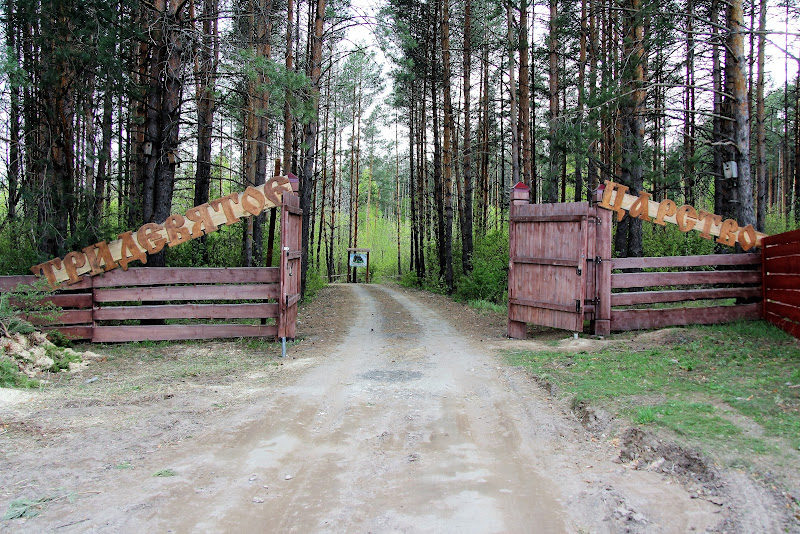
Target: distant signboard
<point x="358" y="259"/>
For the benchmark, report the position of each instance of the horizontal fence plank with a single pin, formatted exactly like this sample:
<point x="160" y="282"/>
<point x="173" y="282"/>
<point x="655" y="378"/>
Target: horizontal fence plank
<point x="785" y="249"/>
<point x="628" y="280"/>
<point x="569" y="308"/>
<point x="781" y="281"/>
<point x="546" y="218"/>
<point x="71" y="300"/>
<point x="783" y="323"/>
<point x="67" y="317"/>
<point x="782" y="264"/>
<point x="778" y="239"/>
<point x="195" y="292"/>
<point x="558" y="262"/>
<point x="187" y="311"/>
<point x="111" y="334"/>
<point x="786" y="296"/>
<point x="686" y="261"/>
<point x="652" y="297"/>
<point x="9" y="283"/>
<point x="149" y="276"/>
<point x="624" y="320"/>
<point x="72" y="332"/>
<point x="784" y="310"/>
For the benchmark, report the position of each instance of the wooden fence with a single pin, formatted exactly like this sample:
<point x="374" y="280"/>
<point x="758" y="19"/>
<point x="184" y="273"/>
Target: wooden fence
<point x="781" y="267"/>
<point x="741" y="282"/>
<point x="561" y="273"/>
<point x="147" y="303"/>
<point x="105" y="308"/>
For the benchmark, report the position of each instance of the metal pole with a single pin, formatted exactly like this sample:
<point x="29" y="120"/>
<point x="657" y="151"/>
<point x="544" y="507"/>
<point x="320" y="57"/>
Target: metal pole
<point x="283" y="347"/>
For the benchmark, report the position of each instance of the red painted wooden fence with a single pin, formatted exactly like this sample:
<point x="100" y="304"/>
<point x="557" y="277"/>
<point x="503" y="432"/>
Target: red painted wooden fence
<point x="240" y="301"/>
<point x="781" y="267"/>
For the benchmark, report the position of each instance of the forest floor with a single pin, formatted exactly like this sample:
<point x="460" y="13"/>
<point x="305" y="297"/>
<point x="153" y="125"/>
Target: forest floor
<point x="395" y="411"/>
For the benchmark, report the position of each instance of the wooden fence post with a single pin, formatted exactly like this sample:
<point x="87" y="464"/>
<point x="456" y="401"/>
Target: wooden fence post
<point x="520" y="195"/>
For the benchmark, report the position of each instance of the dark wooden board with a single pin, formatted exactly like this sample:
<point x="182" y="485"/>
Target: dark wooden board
<point x="547" y="218"/>
<point x="149" y="276"/>
<point x="623" y="320"/>
<point x="784" y="310"/>
<point x="194" y="292"/>
<point x="112" y="334"/>
<point x="686" y="261"/>
<point x="187" y="311"/>
<point x="785" y="249"/>
<point x="783" y="323"/>
<point x="778" y="239"/>
<point x="69" y="317"/>
<point x="782" y="264"/>
<point x="73" y="332"/>
<point x="781" y="281"/>
<point x="786" y="296"/>
<point x="628" y="280"/>
<point x="652" y="297"/>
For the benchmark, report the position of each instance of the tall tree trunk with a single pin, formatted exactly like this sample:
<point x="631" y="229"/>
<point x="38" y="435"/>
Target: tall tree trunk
<point x="689" y="106"/>
<point x="467" y="245"/>
<point x="738" y="195"/>
<point x="524" y="95"/>
<point x="446" y="152"/>
<point x="629" y="231"/>
<point x="310" y="135"/>
<point x="761" y="144"/>
<point x="554" y="158"/>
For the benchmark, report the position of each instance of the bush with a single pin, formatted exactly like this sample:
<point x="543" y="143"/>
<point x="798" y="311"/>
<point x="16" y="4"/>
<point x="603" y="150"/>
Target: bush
<point x="489" y="277"/>
<point x="10" y="377"/>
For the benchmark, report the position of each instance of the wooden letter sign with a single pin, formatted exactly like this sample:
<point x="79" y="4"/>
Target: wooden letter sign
<point x="150" y="238"/>
<point x="727" y="232"/>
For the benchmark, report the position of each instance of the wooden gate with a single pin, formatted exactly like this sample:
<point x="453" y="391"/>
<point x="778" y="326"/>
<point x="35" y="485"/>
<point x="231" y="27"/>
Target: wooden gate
<point x="291" y="244"/>
<point x="553" y="258"/>
<point x="781" y="285"/>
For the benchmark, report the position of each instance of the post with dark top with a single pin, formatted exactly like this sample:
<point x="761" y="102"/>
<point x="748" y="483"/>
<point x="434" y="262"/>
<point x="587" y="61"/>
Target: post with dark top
<point x="520" y="195"/>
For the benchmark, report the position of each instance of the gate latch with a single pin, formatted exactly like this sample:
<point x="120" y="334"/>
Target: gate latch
<point x="577" y="305"/>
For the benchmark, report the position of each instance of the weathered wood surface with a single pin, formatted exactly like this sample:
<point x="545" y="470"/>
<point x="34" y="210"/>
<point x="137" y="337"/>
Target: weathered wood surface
<point x="187" y="311"/>
<point x="109" y="334"/>
<point x="290" y="265"/>
<point x="629" y="280"/>
<point x="548" y="286"/>
<point x="781" y="267"/>
<point x="623" y="320"/>
<point x="652" y="297"/>
<point x="152" y="276"/>
<point x="193" y="292"/>
<point x="686" y="261"/>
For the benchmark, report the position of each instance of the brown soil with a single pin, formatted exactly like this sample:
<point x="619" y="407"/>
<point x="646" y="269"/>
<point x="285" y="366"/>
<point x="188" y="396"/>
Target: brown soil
<point x="394" y="412"/>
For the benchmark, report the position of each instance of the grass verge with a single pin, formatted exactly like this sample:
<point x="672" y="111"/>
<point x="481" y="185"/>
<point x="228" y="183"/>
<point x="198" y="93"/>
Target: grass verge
<point x="734" y="386"/>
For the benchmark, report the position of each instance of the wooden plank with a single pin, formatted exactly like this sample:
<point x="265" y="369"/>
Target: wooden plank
<point x="783" y="323"/>
<point x="686" y="261"/>
<point x="602" y="321"/>
<point x="779" y="239"/>
<point x="68" y="317"/>
<point x="623" y="320"/>
<point x="556" y="262"/>
<point x="148" y="276"/>
<point x="651" y="297"/>
<point x="293" y="210"/>
<point x="781" y="281"/>
<point x="547" y="218"/>
<point x="628" y="280"/>
<point x="9" y="283"/>
<point x="544" y="317"/>
<point x="783" y="264"/>
<point x="195" y="292"/>
<point x="786" y="249"/>
<point x="517" y="330"/>
<point x="786" y="296"/>
<point x="112" y="334"/>
<point x="294" y="255"/>
<point x="292" y="300"/>
<point x="71" y="300"/>
<point x="786" y="311"/>
<point x="544" y="305"/>
<point x="187" y="311"/>
<point x="72" y="332"/>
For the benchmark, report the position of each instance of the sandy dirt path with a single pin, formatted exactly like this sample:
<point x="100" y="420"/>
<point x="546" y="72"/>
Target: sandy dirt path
<point x="410" y="424"/>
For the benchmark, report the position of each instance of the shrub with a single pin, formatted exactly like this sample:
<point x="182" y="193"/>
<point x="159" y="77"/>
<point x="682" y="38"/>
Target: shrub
<point x="489" y="277"/>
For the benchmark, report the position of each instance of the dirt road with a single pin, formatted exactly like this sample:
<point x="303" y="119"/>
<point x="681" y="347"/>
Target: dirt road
<point x="410" y="423"/>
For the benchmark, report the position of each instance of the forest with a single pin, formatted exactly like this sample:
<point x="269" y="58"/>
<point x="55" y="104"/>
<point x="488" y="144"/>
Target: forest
<point x="117" y="113"/>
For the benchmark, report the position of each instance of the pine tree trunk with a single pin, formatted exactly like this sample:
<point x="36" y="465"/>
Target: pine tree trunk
<point x="761" y="144"/>
<point x="551" y="185"/>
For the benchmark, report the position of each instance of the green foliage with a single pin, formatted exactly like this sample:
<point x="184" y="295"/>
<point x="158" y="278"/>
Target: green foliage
<point x="670" y="241"/>
<point x="746" y="368"/>
<point x="61" y="359"/>
<point x="28" y="301"/>
<point x="165" y="473"/>
<point x="10" y="377"/>
<point x="489" y="277"/>
<point x="314" y="282"/>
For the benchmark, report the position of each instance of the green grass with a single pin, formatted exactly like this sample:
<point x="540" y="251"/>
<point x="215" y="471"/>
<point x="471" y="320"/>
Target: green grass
<point x="487" y="306"/>
<point x="165" y="473"/>
<point x="10" y="377"/>
<point x="700" y="381"/>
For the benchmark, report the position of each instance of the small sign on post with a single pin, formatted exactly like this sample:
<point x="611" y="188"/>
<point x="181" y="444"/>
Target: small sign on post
<point x="359" y="257"/>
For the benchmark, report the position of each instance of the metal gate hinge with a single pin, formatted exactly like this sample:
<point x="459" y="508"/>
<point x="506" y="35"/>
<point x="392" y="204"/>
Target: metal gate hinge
<point x="580" y="271"/>
<point x="577" y="305"/>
